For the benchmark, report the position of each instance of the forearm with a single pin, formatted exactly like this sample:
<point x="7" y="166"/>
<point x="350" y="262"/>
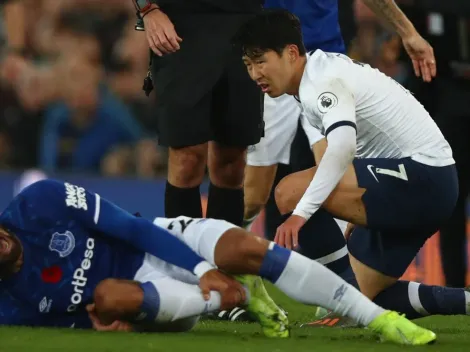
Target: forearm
<point x="389" y="11"/>
<point x="334" y="163"/>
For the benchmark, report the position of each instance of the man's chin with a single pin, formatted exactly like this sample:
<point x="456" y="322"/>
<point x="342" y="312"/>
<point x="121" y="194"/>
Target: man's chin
<point x="274" y="94"/>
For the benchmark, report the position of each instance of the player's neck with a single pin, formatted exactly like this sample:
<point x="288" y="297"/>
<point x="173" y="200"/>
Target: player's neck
<point x="298" y="74"/>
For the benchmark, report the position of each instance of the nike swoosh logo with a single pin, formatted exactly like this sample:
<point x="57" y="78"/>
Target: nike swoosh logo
<point x="369" y="167"/>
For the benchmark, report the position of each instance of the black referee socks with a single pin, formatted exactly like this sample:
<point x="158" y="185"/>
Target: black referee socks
<point x="182" y="201"/>
<point x="225" y="204"/>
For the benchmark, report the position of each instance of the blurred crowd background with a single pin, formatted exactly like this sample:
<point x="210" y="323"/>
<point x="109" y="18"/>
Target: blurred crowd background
<point x="71" y="96"/>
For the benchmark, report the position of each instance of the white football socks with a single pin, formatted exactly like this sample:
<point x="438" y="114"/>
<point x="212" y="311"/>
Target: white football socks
<point x="311" y="283"/>
<point x="180" y="300"/>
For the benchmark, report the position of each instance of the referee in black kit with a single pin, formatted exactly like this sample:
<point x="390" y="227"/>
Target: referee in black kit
<point x="208" y="109"/>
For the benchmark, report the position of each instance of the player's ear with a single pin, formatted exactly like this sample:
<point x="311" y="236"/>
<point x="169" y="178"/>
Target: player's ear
<point x="293" y="52"/>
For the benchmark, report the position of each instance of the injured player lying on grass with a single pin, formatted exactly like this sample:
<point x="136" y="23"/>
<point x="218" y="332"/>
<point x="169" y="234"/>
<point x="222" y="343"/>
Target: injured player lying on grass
<point x="68" y="255"/>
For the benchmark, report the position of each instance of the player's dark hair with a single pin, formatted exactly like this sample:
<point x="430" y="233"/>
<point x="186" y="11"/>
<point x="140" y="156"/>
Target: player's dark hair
<point x="270" y="30"/>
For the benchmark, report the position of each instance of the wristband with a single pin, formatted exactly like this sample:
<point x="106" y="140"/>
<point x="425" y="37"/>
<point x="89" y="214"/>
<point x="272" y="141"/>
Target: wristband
<point x="144" y="5"/>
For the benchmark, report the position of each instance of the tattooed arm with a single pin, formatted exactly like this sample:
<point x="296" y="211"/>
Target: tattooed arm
<point x="419" y="50"/>
<point x="389" y="11"/>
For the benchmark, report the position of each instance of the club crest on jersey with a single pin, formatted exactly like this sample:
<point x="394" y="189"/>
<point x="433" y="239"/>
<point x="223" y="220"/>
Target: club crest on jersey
<point x="326" y="101"/>
<point x="62" y="243"/>
<point x="76" y="196"/>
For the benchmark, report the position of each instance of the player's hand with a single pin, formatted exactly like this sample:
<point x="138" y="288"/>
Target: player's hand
<point x="232" y="292"/>
<point x="116" y="325"/>
<point x="422" y="56"/>
<point x="349" y="230"/>
<point x="161" y="33"/>
<point x="287" y="235"/>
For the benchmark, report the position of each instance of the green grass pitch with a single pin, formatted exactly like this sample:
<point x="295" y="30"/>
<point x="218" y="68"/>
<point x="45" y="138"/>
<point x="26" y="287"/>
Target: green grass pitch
<point x="453" y="335"/>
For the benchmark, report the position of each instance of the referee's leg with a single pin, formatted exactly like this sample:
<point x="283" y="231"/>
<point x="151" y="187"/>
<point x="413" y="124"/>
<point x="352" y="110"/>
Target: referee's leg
<point x="237" y="123"/>
<point x="183" y="114"/>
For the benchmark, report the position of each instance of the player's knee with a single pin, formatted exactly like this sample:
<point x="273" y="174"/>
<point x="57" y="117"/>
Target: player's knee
<point x="284" y="197"/>
<point x="240" y="252"/>
<point x="227" y="165"/>
<point x="186" y="166"/>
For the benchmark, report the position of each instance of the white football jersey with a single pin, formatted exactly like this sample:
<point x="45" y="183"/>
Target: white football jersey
<point x="390" y="122"/>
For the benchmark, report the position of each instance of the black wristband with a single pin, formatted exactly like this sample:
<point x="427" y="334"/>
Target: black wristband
<point x="145" y="14"/>
<point x="144" y="5"/>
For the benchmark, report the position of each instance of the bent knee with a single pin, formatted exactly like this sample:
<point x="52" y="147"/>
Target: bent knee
<point x="284" y="197"/>
<point x="371" y="282"/>
<point x="240" y="252"/>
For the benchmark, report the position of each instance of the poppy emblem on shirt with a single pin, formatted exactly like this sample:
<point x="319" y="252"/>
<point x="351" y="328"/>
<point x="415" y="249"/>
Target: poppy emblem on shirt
<point x="52" y="275"/>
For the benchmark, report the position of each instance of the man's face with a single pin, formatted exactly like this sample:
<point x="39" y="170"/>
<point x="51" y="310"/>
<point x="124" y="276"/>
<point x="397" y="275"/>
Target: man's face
<point x="271" y="71"/>
<point x="10" y="254"/>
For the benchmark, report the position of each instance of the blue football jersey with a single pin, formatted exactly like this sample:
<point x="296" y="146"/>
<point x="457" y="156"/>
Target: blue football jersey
<point x="65" y="255"/>
<point x="319" y="20"/>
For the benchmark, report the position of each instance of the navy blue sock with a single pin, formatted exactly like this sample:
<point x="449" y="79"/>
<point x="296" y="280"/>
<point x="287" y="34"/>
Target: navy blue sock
<point x="274" y="262"/>
<point x="150" y="304"/>
<point x="321" y="239"/>
<point x="418" y="300"/>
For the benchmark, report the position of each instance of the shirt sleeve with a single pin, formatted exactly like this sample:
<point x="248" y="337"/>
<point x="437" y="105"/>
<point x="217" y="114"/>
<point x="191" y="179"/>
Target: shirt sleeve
<point x="54" y="200"/>
<point x="336" y="107"/>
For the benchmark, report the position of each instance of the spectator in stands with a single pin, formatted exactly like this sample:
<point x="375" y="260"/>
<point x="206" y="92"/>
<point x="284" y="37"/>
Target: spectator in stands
<point x="87" y="124"/>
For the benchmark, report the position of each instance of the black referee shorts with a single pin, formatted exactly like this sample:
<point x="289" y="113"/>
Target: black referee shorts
<point x="203" y="91"/>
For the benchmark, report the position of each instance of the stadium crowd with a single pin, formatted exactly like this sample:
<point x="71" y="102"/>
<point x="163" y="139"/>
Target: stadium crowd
<point x="77" y="73"/>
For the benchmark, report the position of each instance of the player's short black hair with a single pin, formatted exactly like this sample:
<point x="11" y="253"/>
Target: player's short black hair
<point x="270" y="30"/>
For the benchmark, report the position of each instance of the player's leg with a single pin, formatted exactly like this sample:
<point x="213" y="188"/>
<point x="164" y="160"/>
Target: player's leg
<point x="238" y="251"/>
<point x="257" y="187"/>
<point x="184" y="107"/>
<point x="237" y="123"/>
<point x="405" y="207"/>
<point x="345" y="202"/>
<point x="391" y="194"/>
<point x="330" y="250"/>
<point x="157" y="304"/>
<point x="380" y="259"/>
<point x="280" y="117"/>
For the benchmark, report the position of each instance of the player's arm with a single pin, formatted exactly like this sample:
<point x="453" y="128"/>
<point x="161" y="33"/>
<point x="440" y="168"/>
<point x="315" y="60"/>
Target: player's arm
<point x="389" y="11"/>
<point x="53" y="199"/>
<point x="419" y="50"/>
<point x="336" y="105"/>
